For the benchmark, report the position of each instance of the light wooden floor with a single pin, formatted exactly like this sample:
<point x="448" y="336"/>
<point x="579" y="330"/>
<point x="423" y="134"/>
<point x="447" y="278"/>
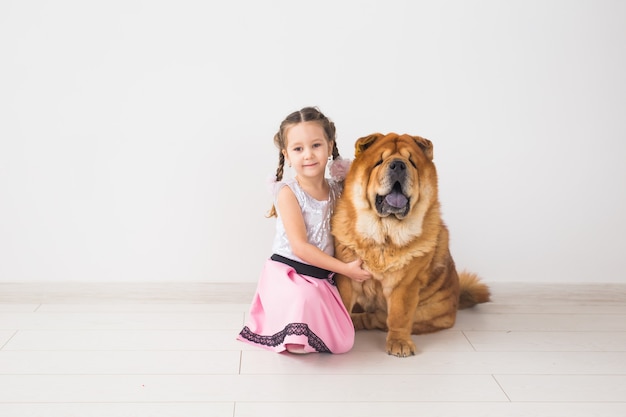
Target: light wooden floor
<point x="158" y="350"/>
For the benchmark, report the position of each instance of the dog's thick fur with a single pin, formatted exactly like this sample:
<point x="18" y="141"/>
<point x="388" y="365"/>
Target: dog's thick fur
<point x="389" y="216"/>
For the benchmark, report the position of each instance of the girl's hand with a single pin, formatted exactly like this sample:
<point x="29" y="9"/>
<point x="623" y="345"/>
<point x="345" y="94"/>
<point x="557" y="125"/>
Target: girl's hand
<point x="356" y="273"/>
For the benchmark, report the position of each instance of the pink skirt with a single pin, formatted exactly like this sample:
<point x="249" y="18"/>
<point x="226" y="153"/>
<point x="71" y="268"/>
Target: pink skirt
<point x="290" y="308"/>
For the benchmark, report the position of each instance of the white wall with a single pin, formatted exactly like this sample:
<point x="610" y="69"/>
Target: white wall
<point x="136" y="136"/>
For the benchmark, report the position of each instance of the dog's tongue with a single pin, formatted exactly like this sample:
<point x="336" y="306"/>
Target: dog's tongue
<point x="396" y="199"/>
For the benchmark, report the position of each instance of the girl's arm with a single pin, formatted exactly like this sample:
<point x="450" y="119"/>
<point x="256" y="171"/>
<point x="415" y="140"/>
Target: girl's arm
<point x="295" y="228"/>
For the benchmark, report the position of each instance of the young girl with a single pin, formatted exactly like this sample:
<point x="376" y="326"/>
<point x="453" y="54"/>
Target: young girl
<point x="297" y="306"/>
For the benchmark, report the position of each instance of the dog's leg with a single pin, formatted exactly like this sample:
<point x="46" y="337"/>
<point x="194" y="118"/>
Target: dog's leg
<point x="401" y="304"/>
<point x="344" y="285"/>
<point x="426" y="323"/>
<point x="368" y="309"/>
<point x="349" y="291"/>
<point x="438" y="312"/>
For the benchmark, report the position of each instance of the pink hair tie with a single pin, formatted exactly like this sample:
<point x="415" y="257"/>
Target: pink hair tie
<point x="339" y="168"/>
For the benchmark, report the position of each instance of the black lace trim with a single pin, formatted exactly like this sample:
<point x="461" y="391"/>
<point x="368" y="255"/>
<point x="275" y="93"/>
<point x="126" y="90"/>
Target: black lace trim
<point x="293" y="328"/>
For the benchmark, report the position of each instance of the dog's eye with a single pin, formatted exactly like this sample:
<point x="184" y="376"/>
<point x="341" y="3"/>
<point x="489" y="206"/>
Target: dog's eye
<point x="378" y="163"/>
<point x="412" y="163"/>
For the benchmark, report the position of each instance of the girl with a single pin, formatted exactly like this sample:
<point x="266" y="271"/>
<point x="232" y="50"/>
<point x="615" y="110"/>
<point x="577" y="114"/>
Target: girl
<point x="297" y="306"/>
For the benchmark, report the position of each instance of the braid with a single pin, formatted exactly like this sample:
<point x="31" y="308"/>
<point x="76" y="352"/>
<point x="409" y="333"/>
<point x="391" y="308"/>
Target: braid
<point x="335" y="150"/>
<point x="272" y="212"/>
<point x="279" y="171"/>
<point x="281" y="166"/>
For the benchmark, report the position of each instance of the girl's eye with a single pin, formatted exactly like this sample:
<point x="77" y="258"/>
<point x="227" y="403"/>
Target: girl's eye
<point x="317" y="145"/>
<point x="298" y="149"/>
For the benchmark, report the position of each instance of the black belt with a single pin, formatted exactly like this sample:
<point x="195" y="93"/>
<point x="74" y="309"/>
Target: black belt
<point x="303" y="269"/>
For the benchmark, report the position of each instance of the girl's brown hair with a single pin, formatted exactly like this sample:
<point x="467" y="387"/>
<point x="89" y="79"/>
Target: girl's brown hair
<point x="306" y="114"/>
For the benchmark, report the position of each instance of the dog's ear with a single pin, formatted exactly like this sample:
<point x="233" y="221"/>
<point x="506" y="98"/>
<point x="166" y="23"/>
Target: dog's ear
<point x="425" y="145"/>
<point x="365" y="142"/>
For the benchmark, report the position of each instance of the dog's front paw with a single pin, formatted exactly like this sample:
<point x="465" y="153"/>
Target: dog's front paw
<point x="401" y="347"/>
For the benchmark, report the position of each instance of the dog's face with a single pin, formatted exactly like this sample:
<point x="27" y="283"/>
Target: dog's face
<point x="392" y="166"/>
<point x="392" y="182"/>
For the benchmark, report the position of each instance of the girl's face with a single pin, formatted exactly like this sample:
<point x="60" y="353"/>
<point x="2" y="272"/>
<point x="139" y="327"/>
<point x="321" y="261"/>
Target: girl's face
<point x="307" y="149"/>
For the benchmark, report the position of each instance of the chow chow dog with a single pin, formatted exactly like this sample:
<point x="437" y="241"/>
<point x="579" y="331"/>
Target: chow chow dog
<point x="389" y="216"/>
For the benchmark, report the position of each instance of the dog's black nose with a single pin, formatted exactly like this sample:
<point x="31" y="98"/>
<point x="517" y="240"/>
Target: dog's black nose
<point x="397" y="165"/>
<point x="396" y="170"/>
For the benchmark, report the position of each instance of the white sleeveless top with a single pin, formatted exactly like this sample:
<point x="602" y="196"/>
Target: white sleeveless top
<point x="316" y="216"/>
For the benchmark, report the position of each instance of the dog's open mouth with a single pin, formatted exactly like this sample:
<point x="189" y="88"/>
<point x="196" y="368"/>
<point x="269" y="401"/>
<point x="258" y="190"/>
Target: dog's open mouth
<point x="395" y="202"/>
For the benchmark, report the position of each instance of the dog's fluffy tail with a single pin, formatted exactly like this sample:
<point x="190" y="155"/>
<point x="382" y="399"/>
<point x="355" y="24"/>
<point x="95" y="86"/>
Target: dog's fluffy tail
<point x="472" y="290"/>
